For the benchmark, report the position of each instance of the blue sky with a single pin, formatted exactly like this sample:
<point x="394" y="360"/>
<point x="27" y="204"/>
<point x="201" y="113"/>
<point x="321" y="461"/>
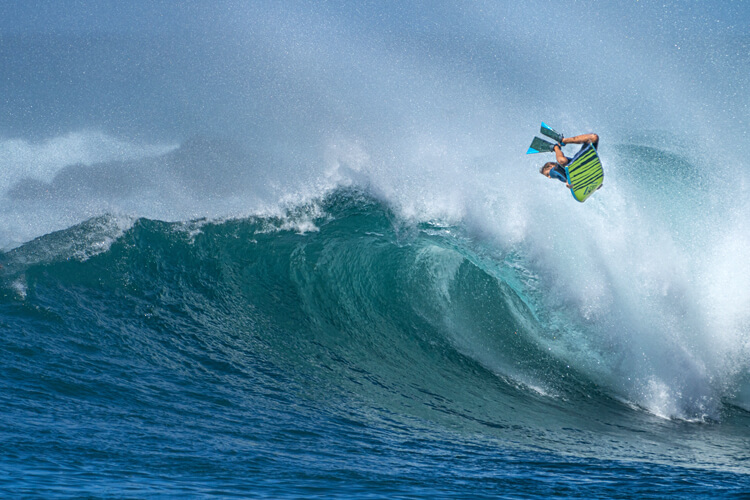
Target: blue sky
<point x="248" y="68"/>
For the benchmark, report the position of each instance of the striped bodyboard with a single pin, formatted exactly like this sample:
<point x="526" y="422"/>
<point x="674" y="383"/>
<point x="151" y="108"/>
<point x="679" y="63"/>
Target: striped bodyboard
<point x="585" y="173"/>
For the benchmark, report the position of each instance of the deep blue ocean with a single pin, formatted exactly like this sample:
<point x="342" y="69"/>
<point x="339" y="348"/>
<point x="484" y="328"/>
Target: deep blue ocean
<point x="296" y="250"/>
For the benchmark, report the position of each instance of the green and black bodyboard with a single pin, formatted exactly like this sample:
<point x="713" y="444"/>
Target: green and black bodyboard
<point x="585" y="173"/>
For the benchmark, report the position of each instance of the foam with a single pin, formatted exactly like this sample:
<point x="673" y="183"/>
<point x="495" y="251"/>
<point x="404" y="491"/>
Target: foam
<point x="20" y="158"/>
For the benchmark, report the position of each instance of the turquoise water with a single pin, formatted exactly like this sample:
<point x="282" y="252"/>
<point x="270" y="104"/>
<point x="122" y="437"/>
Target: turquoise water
<point x="363" y="358"/>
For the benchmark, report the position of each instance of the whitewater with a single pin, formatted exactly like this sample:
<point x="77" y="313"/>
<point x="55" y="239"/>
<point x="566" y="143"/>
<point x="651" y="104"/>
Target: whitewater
<point x="296" y="250"/>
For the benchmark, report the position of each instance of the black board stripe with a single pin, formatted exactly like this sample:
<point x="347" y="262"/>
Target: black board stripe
<point x="580" y="162"/>
<point x="582" y="176"/>
<point x="583" y="165"/>
<point x="588" y="163"/>
<point x="586" y="175"/>
<point x="585" y="161"/>
<point x="593" y="181"/>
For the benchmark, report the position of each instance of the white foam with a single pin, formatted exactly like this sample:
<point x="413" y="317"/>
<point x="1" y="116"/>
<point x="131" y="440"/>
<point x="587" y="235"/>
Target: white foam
<point x="24" y="218"/>
<point x="20" y="287"/>
<point x="21" y="159"/>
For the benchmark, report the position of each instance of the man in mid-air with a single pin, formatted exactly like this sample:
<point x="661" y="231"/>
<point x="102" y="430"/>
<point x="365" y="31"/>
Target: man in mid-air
<point x="556" y="170"/>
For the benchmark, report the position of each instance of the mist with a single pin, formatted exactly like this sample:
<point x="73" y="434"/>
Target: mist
<point x="419" y="100"/>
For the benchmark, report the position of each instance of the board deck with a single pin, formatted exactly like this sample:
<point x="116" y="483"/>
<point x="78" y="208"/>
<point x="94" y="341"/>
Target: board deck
<point x="585" y="173"/>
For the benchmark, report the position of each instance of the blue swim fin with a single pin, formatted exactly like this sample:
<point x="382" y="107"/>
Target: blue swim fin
<point x="540" y="146"/>
<point x="550" y="132"/>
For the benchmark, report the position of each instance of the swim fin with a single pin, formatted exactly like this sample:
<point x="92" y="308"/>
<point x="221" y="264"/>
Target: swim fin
<point x="549" y="132"/>
<point x="540" y="146"/>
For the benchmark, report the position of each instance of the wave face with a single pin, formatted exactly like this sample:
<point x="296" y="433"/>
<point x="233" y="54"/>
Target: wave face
<point x="335" y="338"/>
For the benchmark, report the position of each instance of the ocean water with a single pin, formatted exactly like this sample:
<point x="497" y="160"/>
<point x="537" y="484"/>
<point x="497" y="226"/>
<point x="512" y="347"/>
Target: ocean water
<point x="296" y="250"/>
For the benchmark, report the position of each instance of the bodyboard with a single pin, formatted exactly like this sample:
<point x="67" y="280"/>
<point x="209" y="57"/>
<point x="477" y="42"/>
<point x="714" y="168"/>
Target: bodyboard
<point x="585" y="173"/>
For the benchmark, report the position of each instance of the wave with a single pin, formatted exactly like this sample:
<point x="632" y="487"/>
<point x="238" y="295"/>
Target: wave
<point x="345" y="284"/>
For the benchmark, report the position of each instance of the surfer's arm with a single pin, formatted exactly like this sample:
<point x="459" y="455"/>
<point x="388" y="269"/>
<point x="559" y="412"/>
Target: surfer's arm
<point x="559" y="156"/>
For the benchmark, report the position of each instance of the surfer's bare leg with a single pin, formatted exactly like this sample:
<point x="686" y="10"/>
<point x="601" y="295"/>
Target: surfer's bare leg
<point x="581" y="139"/>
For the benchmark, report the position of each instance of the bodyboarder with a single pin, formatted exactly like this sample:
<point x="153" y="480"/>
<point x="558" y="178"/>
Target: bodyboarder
<point x="556" y="169"/>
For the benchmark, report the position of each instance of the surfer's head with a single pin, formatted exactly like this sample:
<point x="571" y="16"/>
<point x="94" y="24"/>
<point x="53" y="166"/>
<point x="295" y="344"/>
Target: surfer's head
<point x="546" y="168"/>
